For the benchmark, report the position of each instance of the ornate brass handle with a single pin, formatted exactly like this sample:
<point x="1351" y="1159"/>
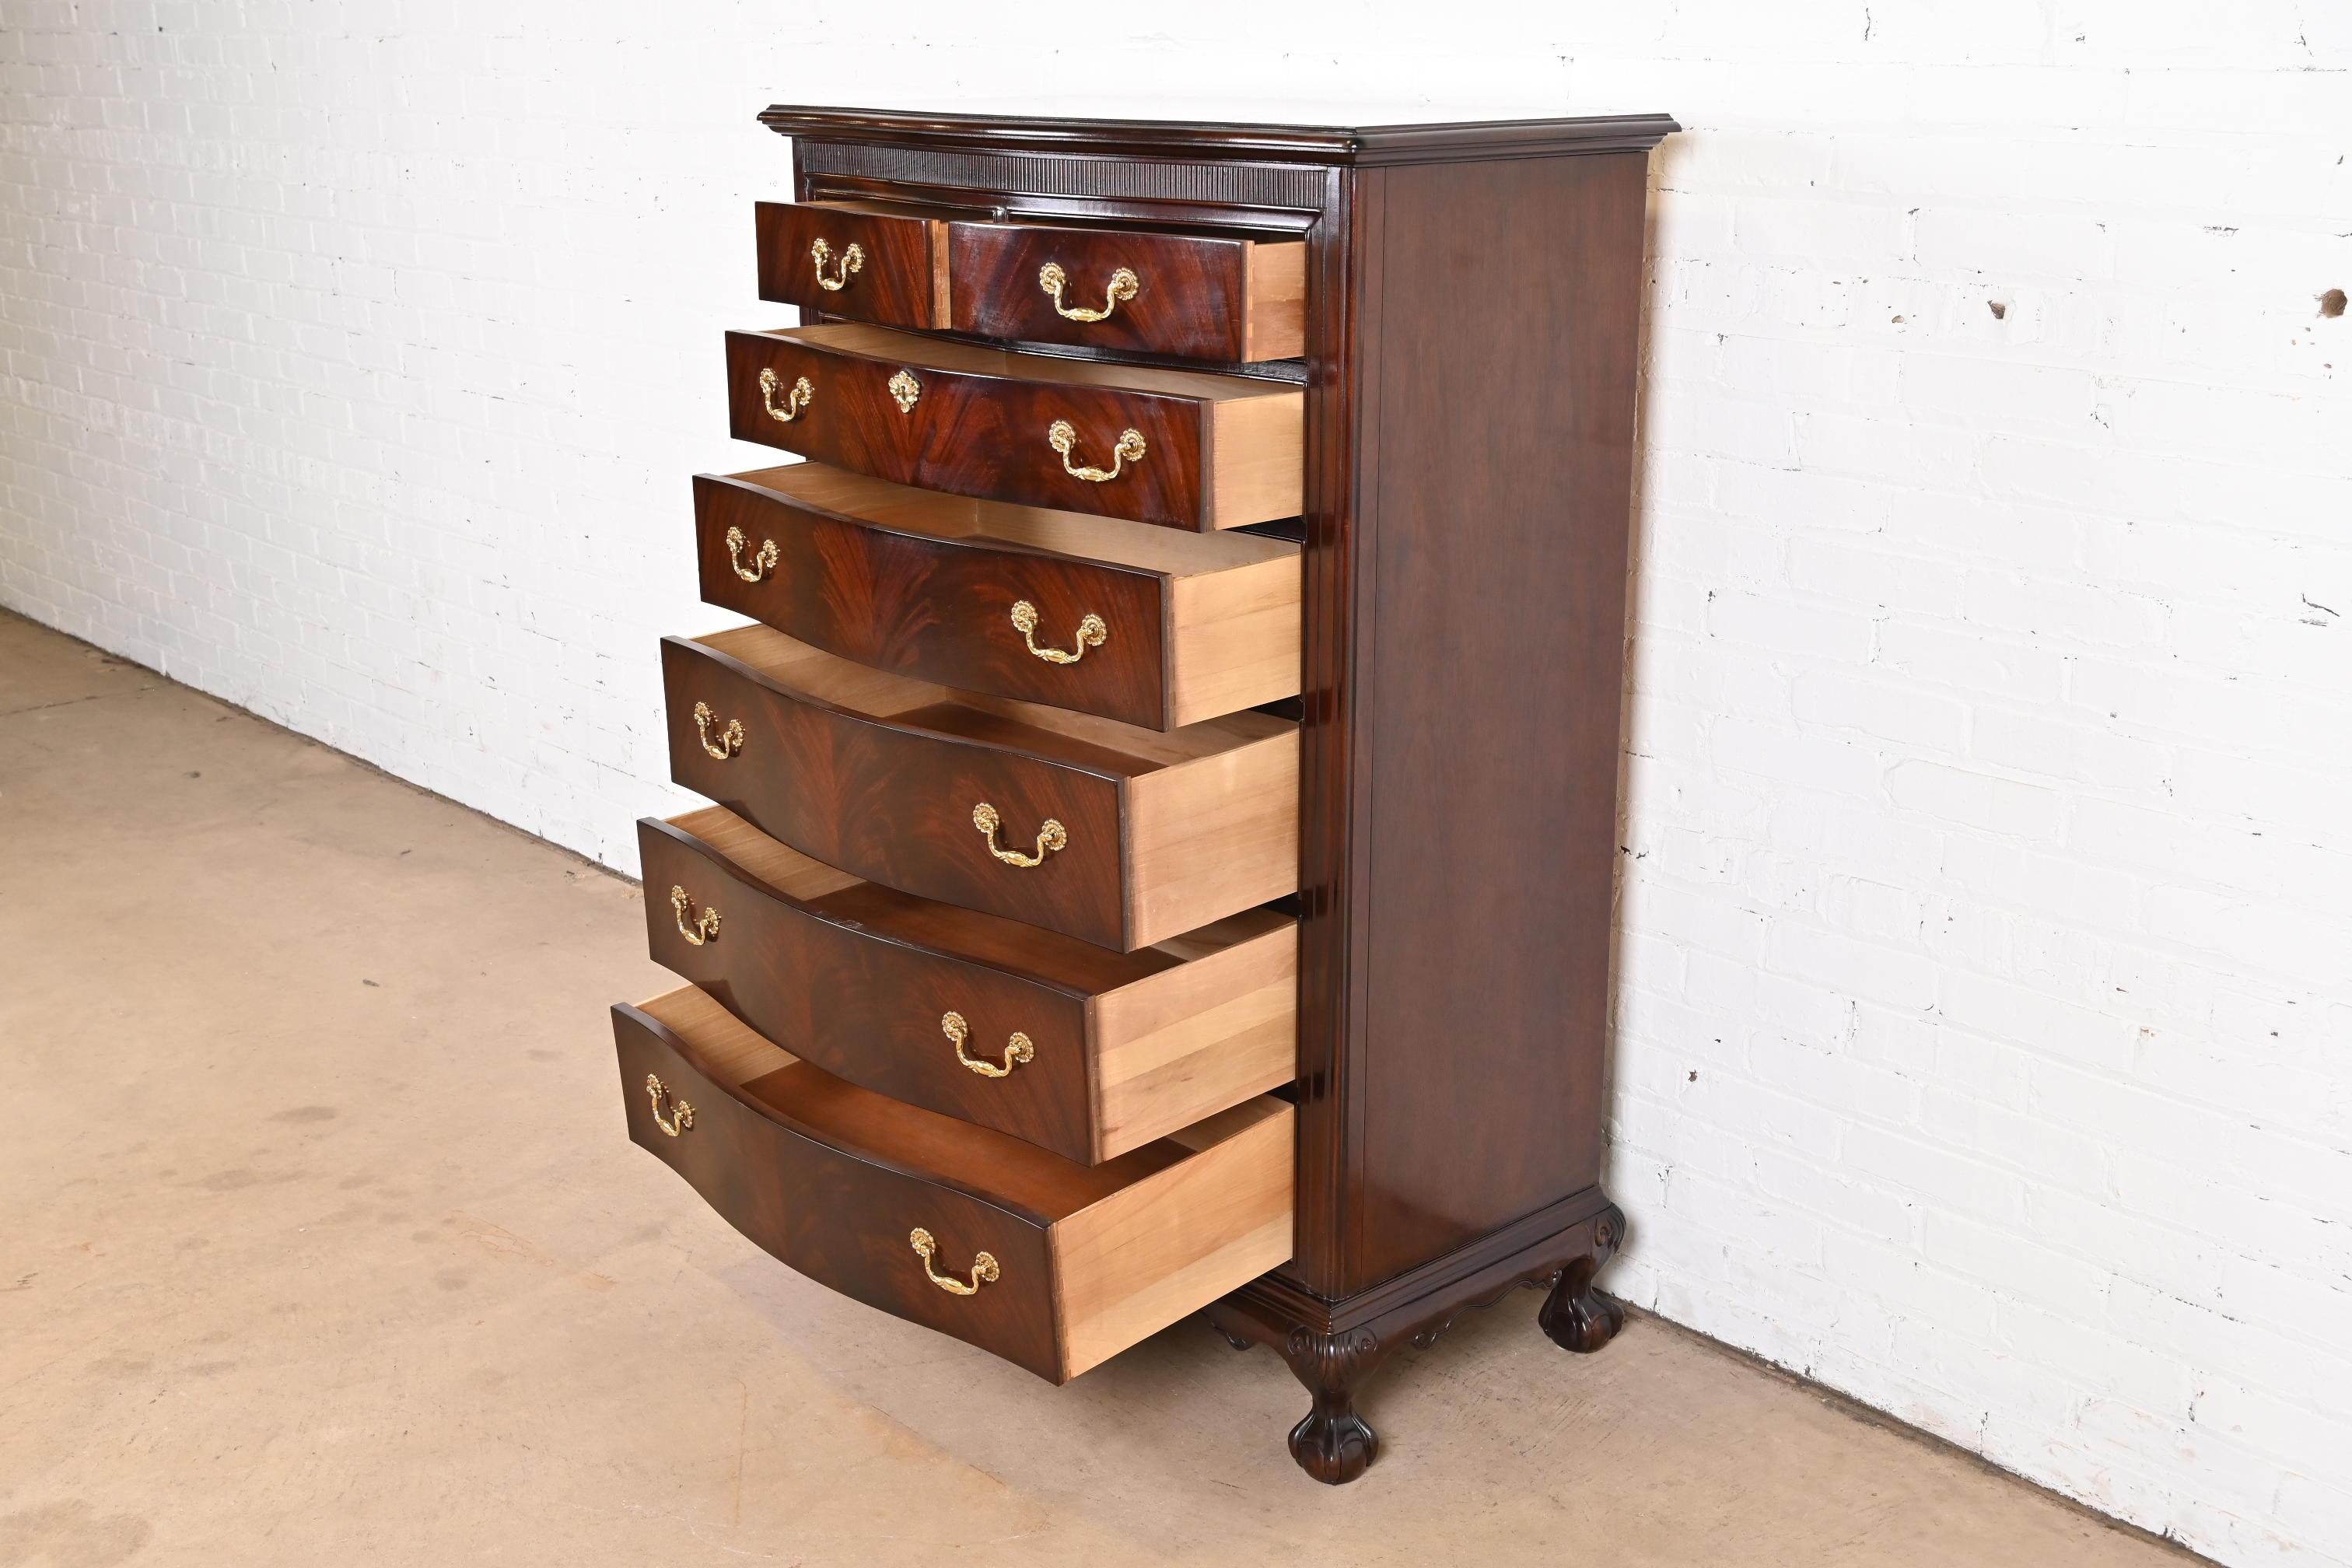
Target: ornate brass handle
<point x="1017" y="1049"/>
<point x="763" y="563"/>
<point x="983" y="1267"/>
<point x="730" y="739"/>
<point x="1092" y="633"/>
<point x="851" y="260"/>
<point x="802" y="394"/>
<point x="1061" y="437"/>
<point x="1051" y="836"/>
<point x="682" y="1119"/>
<point x="1053" y="280"/>
<point x="705" y="927"/>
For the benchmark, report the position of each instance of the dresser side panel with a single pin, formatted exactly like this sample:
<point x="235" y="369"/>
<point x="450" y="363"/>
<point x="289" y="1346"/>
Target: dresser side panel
<point x="1501" y="383"/>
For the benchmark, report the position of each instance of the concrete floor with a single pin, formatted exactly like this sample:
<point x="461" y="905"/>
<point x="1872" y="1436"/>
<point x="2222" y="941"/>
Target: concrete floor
<point x="322" y="1242"/>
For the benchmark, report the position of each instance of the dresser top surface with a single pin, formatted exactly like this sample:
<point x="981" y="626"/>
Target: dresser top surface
<point x="1217" y="140"/>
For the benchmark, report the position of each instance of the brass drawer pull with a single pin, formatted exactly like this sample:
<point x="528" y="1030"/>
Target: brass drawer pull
<point x="1053" y="280"/>
<point x="705" y="927"/>
<point x="851" y="260"/>
<point x="761" y="563"/>
<point x="1017" y="1049"/>
<point x="1092" y="633"/>
<point x="1061" y="437"/>
<point x="682" y="1119"/>
<point x="983" y="1267"/>
<point x="802" y="394"/>
<point x="730" y="739"/>
<point x="1051" y="836"/>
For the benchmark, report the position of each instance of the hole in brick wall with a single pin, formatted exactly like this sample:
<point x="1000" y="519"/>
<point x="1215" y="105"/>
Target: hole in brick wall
<point x="2332" y="302"/>
<point x="2000" y="311"/>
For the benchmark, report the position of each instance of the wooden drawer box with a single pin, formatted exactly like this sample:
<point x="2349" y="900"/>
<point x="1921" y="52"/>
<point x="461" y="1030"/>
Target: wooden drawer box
<point x="841" y="1182"/>
<point x="1189" y="296"/>
<point x="1179" y="448"/>
<point x="1113" y="1049"/>
<point x="1142" y="625"/>
<point x="1227" y="297"/>
<point x="1119" y="835"/>
<point x="859" y="259"/>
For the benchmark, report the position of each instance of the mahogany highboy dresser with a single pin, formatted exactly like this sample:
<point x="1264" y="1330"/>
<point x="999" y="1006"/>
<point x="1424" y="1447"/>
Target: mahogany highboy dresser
<point x="1165" y="819"/>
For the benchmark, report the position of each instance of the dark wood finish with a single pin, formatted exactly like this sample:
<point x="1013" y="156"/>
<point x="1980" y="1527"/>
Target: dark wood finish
<point x="897" y="283"/>
<point x="831" y="1179"/>
<point x="891" y="798"/>
<point x="1193" y="298"/>
<point x="880" y="777"/>
<point x="1108" y="141"/>
<point x="854" y="977"/>
<point x="926" y="584"/>
<point x="1473" y="308"/>
<point x="980" y="425"/>
<point x="1334" y="1348"/>
<point x="1082" y="1260"/>
<point x="938" y="609"/>
<point x="1496" y="520"/>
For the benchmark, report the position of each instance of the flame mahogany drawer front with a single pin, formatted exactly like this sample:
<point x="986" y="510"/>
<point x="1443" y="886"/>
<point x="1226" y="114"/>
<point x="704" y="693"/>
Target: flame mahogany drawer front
<point x="1117" y="836"/>
<point x="1226" y="298"/>
<point x="1076" y="1049"/>
<point x="1050" y="1264"/>
<point x="1165" y="825"/>
<point x="1141" y="624"/>
<point x="853" y="258"/>
<point x="1189" y="296"/>
<point x="1179" y="448"/>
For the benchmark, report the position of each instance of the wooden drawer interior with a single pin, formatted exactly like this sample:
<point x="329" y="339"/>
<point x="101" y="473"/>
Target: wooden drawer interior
<point x="1126" y="1247"/>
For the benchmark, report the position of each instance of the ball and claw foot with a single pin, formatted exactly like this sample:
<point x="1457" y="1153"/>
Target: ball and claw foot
<point x="1332" y="1443"/>
<point x="1579" y="1320"/>
<point x="1575" y="1316"/>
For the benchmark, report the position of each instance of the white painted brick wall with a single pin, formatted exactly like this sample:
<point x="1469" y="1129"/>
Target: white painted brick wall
<point x="1985" y="989"/>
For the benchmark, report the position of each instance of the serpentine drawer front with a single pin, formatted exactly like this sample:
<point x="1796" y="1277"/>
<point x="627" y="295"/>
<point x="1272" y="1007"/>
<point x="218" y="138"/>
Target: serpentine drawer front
<point x="1050" y="1264"/>
<point x="1165" y="823"/>
<point x="1138" y="623"/>
<point x="1076" y="1049"/>
<point x="1103" y="831"/>
<point x="1177" y="447"/>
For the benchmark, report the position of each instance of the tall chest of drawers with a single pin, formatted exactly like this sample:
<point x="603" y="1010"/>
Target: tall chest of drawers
<point x="1165" y="807"/>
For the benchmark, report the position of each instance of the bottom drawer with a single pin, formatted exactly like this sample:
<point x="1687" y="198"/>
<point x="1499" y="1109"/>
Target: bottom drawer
<point x="1080" y="1261"/>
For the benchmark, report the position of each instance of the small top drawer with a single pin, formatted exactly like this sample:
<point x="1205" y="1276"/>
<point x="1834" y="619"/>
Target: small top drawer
<point x="865" y="261"/>
<point x="1192" y="296"/>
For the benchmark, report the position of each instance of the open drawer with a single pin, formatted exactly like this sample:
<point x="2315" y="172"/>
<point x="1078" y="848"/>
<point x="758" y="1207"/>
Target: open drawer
<point x="1051" y="1265"/>
<point x="1116" y="835"/>
<point x="1143" y="625"/>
